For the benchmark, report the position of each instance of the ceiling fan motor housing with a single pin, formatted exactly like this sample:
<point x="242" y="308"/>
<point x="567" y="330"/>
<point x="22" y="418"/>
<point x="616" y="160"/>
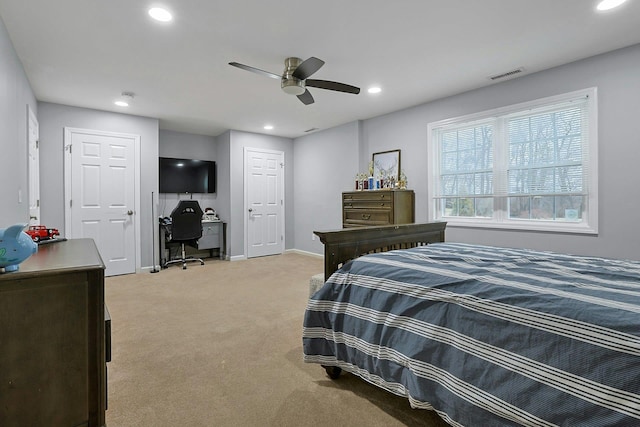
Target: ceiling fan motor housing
<point x="290" y="84"/>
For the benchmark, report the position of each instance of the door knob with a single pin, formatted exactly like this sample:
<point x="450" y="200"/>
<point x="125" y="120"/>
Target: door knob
<point x="250" y="210"/>
<point x="129" y="212"/>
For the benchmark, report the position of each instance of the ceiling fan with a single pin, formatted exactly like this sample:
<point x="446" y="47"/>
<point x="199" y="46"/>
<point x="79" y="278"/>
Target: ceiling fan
<point x="295" y="78"/>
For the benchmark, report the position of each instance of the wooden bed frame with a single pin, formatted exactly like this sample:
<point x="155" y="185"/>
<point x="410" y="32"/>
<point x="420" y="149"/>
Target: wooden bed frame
<point x="343" y="245"/>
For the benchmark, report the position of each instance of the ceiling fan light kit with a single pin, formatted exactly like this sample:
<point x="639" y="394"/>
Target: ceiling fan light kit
<point x="294" y="78"/>
<point x="293" y="86"/>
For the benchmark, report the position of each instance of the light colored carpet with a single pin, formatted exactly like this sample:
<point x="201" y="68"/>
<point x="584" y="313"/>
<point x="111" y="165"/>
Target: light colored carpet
<point x="220" y="345"/>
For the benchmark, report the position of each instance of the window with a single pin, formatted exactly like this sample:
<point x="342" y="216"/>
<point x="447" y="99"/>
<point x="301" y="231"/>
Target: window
<point x="528" y="166"/>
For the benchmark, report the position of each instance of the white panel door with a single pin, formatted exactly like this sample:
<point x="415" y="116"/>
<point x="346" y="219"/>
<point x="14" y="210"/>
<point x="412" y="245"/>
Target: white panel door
<point x="103" y="195"/>
<point x="34" y="170"/>
<point x="264" y="189"/>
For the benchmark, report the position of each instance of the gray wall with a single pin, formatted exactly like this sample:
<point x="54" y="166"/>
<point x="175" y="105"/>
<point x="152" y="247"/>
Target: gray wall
<point x="617" y="78"/>
<point x="53" y="119"/>
<point x="326" y="164"/>
<point x="187" y="146"/>
<point x="15" y="95"/>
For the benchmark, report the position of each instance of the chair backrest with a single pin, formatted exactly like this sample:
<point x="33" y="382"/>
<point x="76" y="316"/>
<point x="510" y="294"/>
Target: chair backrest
<point x="186" y="221"/>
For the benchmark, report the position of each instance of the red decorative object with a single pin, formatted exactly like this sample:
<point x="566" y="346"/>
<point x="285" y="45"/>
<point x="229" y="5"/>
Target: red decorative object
<point x="40" y="232"/>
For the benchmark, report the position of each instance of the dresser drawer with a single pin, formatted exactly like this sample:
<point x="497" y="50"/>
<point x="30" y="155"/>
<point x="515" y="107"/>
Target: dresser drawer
<point x="370" y="217"/>
<point x="210" y="229"/>
<point x="360" y="196"/>
<point x="368" y="204"/>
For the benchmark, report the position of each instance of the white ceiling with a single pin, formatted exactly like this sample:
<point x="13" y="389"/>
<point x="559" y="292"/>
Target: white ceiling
<point x="85" y="53"/>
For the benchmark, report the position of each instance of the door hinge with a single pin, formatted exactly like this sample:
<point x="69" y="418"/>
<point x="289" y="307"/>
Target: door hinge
<point x="37" y="144"/>
<point x="38" y="203"/>
<point x="70" y="203"/>
<point x="68" y="147"/>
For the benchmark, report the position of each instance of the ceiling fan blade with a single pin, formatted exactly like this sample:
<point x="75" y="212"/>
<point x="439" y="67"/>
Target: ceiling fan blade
<point x="256" y="70"/>
<point x="306" y="98"/>
<point x="308" y="67"/>
<point x="329" y="85"/>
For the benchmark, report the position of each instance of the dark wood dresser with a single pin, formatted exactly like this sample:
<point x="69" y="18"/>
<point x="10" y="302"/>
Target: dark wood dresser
<point x="52" y="338"/>
<point x="377" y="207"/>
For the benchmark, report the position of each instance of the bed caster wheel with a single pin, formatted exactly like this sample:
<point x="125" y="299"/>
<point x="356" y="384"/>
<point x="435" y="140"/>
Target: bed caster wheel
<point x="332" y="371"/>
<point x="201" y="262"/>
<point x="184" y="267"/>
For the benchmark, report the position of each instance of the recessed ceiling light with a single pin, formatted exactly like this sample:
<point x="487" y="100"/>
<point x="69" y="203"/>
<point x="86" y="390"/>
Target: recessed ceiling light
<point x="160" y="14"/>
<point x="125" y="99"/>
<point x="609" y="4"/>
<point x="374" y="89"/>
<point x="268" y="127"/>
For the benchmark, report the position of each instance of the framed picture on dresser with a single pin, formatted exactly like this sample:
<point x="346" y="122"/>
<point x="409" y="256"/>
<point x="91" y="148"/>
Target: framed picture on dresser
<point x="387" y="163"/>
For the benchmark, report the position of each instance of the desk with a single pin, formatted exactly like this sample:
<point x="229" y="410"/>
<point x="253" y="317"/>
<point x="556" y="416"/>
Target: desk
<point x="213" y="237"/>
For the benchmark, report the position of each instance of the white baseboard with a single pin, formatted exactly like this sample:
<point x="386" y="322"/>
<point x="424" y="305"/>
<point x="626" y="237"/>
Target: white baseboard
<point x="301" y="252"/>
<point x="147" y="269"/>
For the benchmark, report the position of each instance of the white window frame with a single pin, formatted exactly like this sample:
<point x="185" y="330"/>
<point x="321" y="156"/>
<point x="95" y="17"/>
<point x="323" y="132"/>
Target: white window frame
<point x="500" y="219"/>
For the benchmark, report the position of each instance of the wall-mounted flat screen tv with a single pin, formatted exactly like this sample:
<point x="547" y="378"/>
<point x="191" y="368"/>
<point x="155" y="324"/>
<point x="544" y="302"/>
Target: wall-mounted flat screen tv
<point x="187" y="176"/>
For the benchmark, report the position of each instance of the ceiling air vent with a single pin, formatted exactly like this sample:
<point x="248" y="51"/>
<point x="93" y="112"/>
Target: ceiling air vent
<point x="310" y="130"/>
<point x="507" y="74"/>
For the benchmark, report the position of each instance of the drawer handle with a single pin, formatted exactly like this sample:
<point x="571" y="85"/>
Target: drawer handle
<point x="347" y="205"/>
<point x="366" y="216"/>
<point x="381" y="204"/>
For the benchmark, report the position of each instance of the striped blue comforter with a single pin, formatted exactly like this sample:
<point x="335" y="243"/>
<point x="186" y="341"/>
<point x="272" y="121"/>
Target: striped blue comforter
<point x="487" y="336"/>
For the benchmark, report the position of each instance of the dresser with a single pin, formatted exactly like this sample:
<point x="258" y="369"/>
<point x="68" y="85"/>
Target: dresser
<point x="53" y="344"/>
<point x="377" y="207"/>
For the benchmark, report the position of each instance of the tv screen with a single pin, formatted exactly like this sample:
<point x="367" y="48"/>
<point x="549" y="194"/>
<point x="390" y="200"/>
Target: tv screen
<point x="187" y="176"/>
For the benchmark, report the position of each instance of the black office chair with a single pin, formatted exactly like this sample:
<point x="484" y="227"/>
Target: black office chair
<point x="186" y="229"/>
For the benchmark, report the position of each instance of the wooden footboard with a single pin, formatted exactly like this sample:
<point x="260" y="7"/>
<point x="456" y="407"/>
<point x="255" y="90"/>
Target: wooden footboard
<point x="343" y="245"/>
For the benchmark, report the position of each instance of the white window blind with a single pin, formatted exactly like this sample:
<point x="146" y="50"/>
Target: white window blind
<point x="530" y="166"/>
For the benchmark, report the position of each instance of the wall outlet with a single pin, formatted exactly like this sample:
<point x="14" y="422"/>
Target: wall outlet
<point x="313" y="236"/>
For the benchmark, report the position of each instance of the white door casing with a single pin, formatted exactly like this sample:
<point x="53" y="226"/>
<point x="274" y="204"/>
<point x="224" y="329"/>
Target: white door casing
<point x="34" y="167"/>
<point x="102" y="194"/>
<point x="264" y="202"/>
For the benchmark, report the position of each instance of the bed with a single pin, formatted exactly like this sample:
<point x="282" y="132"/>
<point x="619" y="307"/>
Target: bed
<point x="485" y="336"/>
